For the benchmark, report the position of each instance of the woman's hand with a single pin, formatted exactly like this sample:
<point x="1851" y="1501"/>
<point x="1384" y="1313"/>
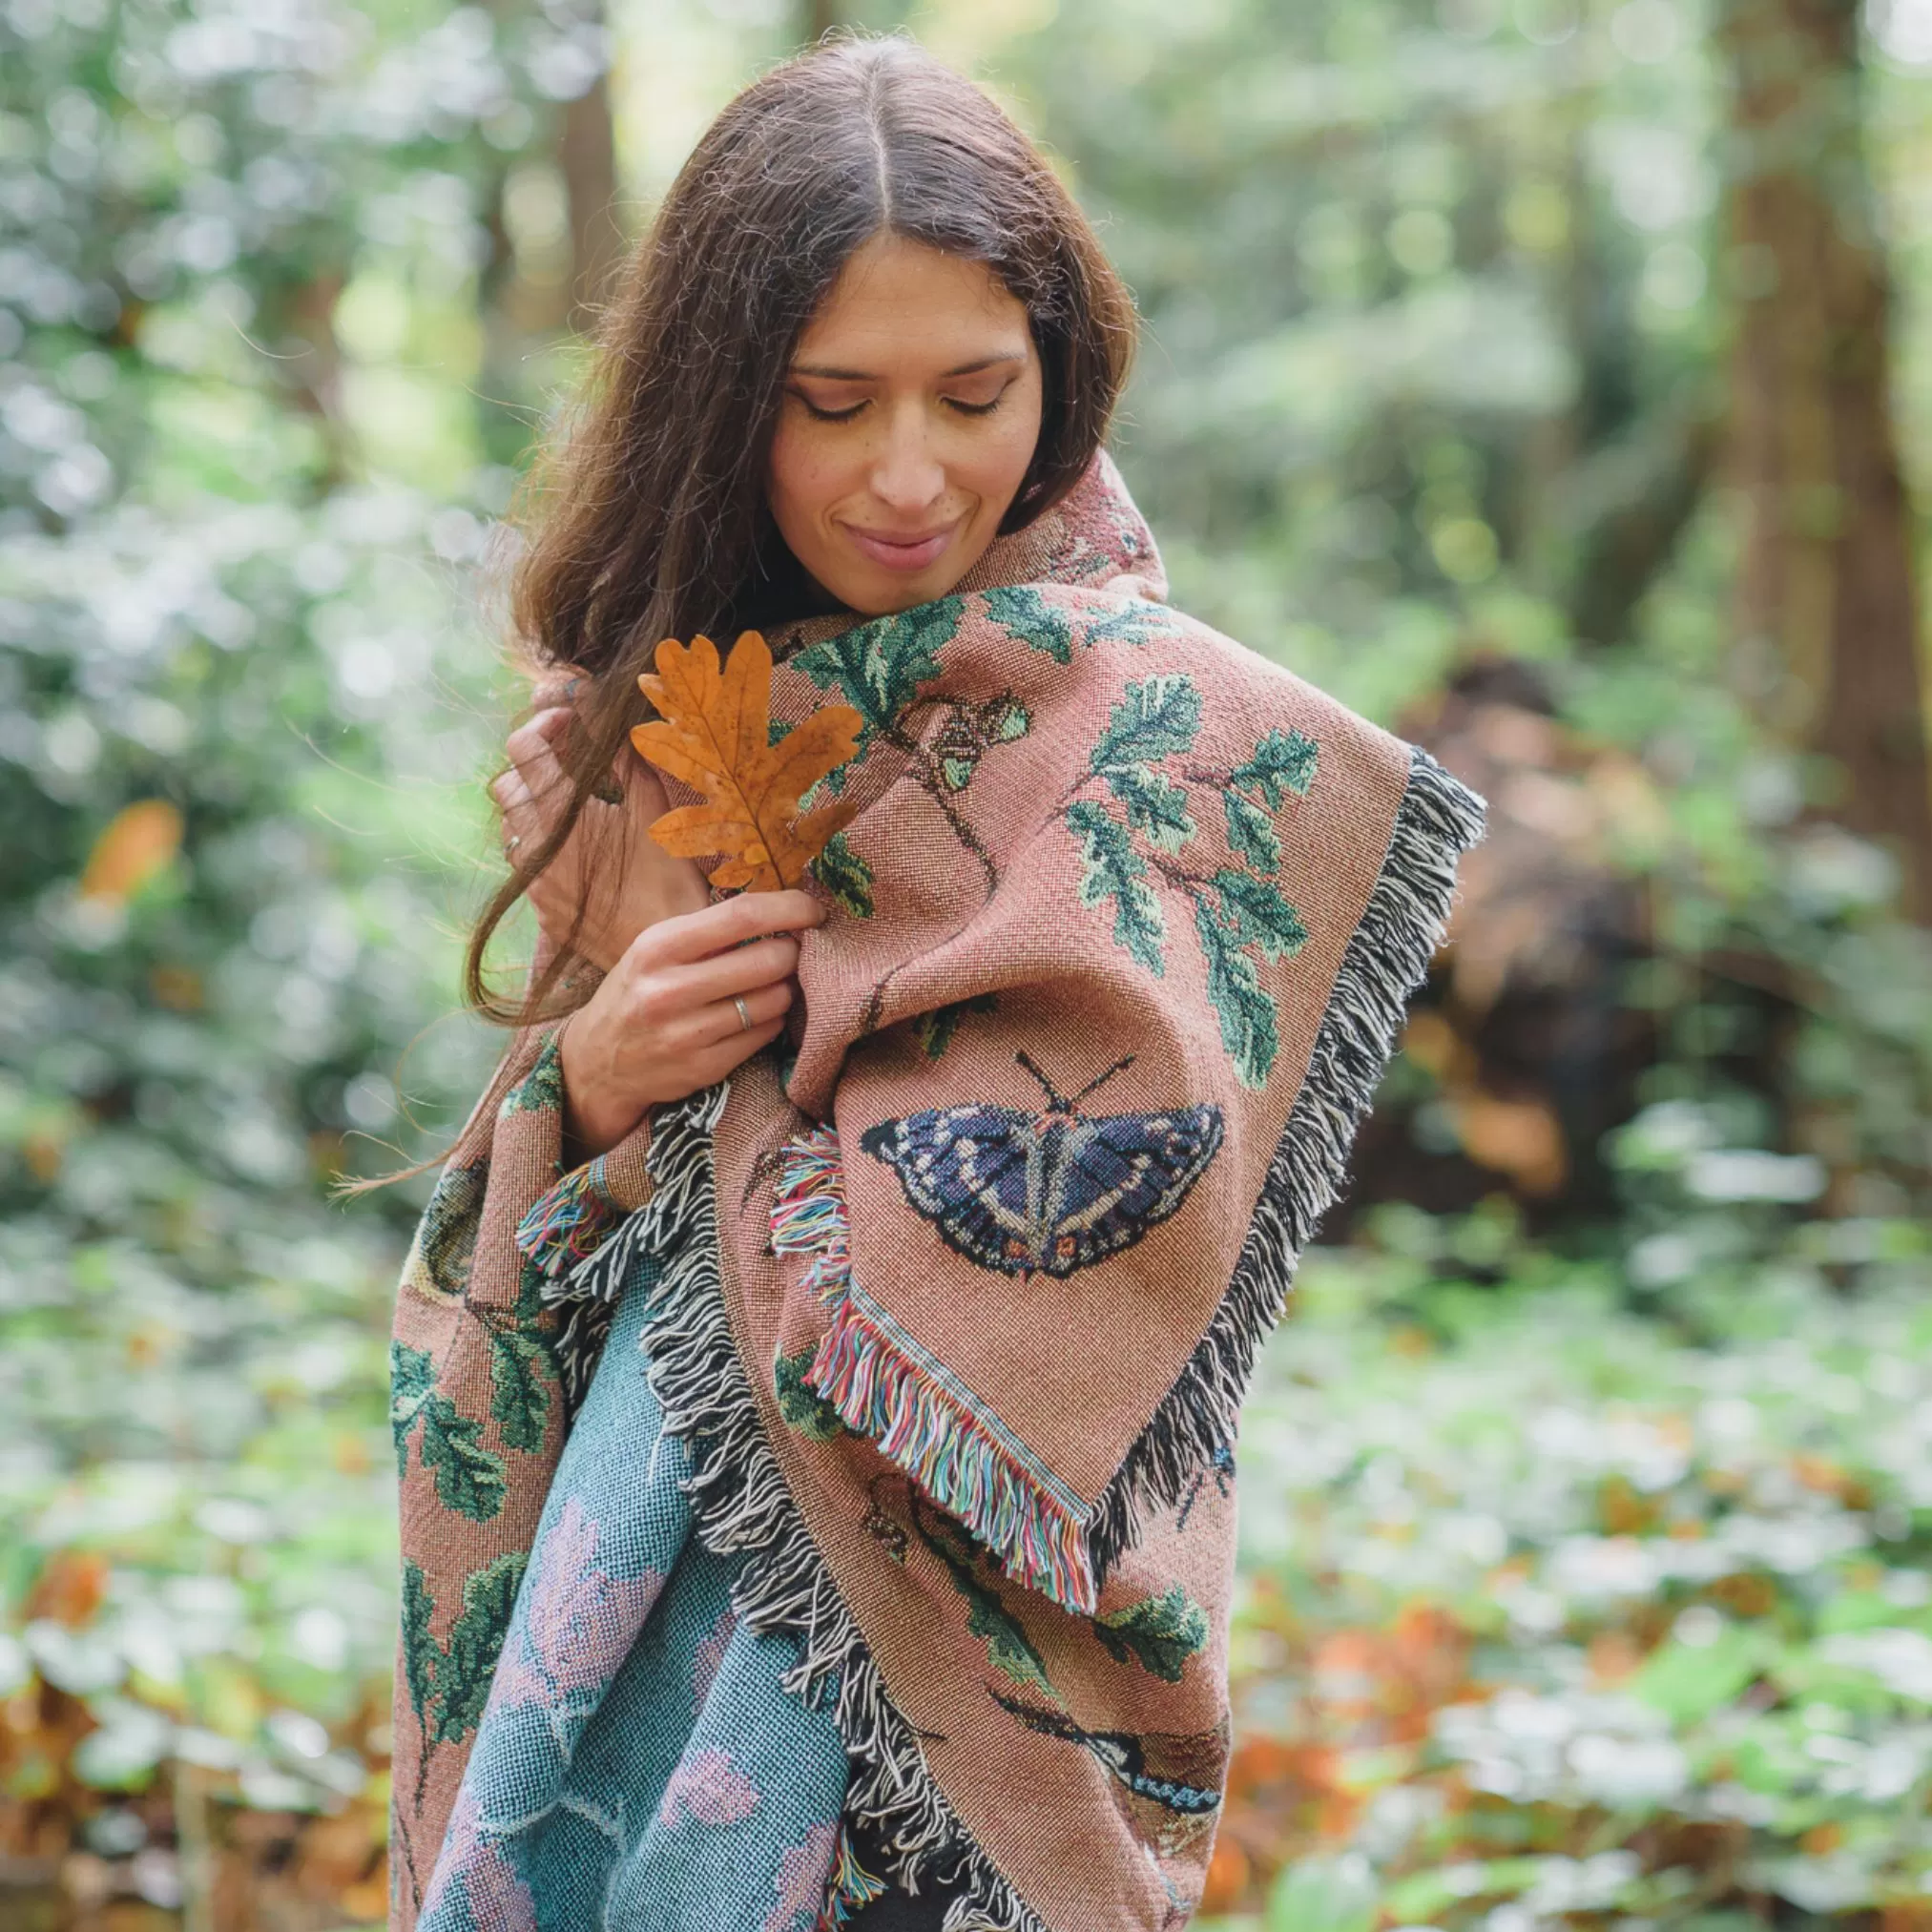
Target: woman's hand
<point x="609" y="866"/>
<point x="671" y="1015"/>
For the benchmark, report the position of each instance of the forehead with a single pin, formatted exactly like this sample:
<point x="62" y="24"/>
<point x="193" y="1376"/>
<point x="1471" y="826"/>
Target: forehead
<point x="901" y="304"/>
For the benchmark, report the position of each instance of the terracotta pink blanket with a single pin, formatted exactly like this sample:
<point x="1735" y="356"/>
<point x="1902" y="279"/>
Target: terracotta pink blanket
<point x="972" y="1275"/>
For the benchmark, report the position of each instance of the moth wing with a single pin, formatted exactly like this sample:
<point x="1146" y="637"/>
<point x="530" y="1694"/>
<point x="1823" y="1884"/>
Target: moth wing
<point x="965" y="1168"/>
<point x="1125" y="1173"/>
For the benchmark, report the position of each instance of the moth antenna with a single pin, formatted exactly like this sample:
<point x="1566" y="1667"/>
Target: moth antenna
<point x="1053" y="1093"/>
<point x="1119" y="1066"/>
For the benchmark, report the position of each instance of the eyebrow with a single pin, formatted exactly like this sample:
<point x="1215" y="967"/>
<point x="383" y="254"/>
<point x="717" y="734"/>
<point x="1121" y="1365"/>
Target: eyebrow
<point x="830" y="375"/>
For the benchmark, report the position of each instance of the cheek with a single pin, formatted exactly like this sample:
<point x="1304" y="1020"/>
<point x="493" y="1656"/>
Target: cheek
<point x="803" y="476"/>
<point x="1000" y="462"/>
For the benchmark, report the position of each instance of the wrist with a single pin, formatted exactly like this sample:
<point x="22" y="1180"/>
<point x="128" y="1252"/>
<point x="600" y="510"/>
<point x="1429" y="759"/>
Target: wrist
<point x="594" y="1119"/>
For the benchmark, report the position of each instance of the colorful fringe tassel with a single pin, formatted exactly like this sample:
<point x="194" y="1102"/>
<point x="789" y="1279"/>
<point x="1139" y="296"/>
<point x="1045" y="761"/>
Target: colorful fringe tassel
<point x="885" y="1386"/>
<point x="851" y="1889"/>
<point x="570" y="1222"/>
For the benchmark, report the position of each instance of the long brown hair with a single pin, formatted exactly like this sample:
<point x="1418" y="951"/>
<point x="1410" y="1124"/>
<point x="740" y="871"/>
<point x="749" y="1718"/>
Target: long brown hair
<point x="649" y="520"/>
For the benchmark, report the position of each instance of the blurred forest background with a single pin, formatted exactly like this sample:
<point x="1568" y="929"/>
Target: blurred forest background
<point x="1550" y="378"/>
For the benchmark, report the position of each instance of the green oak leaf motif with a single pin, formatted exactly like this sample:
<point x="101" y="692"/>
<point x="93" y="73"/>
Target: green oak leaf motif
<point x="1024" y="610"/>
<point x="520" y="1376"/>
<point x="1238" y="914"/>
<point x="1154" y="804"/>
<point x="542" y="1089"/>
<point x="1250" y="832"/>
<point x="450" y="1685"/>
<point x="468" y="1661"/>
<point x="878" y="667"/>
<point x="470" y="1478"/>
<point x="1245" y="1011"/>
<point x="846" y="876"/>
<point x="1158" y="1632"/>
<point x="1284" y="761"/>
<point x="1156" y="717"/>
<point x="1021" y="608"/>
<point x="1115" y="871"/>
<point x="1260" y="915"/>
<point x="420" y="1652"/>
<point x="802" y="1408"/>
<point x="1009" y="1648"/>
<point x="412" y="1377"/>
<point x="934" y="1030"/>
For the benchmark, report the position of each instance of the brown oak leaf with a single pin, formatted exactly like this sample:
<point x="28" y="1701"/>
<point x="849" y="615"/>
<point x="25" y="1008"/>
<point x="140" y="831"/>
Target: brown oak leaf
<point x="712" y="731"/>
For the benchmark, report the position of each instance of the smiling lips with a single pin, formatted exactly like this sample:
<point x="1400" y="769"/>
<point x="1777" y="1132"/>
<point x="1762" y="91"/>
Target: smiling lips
<point x="894" y="552"/>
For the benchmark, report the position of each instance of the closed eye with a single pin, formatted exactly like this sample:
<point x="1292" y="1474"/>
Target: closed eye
<point x="976" y="408"/>
<point x="818" y="415"/>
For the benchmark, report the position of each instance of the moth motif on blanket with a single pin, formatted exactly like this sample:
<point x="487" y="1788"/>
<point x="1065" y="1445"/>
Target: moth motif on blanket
<point x="953" y="1299"/>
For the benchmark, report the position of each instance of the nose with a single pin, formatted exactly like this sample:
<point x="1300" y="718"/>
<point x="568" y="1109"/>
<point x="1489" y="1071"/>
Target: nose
<point x="906" y="474"/>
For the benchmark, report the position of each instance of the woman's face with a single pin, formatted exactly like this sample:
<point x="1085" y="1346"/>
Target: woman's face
<point x="910" y="414"/>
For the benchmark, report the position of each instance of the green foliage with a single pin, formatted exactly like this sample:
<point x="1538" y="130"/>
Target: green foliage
<point x="449" y="1684"/>
<point x="934" y="1030"/>
<point x="1156" y="717"/>
<point x="1243" y="1007"/>
<point x="1159" y="1632"/>
<point x="522" y="1377"/>
<point x="1117" y="872"/>
<point x="878" y="668"/>
<point x="1020" y="608"/>
<point x="846" y="876"/>
<point x="470" y="1477"/>
<point x="463" y="1675"/>
<point x="540" y="1090"/>
<point x="1623" y="1583"/>
<point x="1009" y="1648"/>
<point x="800" y="1405"/>
<point x="1284" y="761"/>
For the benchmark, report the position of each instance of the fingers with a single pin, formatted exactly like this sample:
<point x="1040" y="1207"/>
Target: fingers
<point x="728" y="974"/>
<point x="713" y="1062"/>
<point x="694" y="936"/>
<point x="522" y="822"/>
<point x="721" y="1023"/>
<point x="532" y="754"/>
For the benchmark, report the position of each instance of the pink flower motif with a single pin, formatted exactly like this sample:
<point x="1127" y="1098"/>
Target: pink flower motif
<point x="578" y="1622"/>
<point x="709" y="1656"/>
<point x="802" y="1876"/>
<point x="709" y="1789"/>
<point x="498" y="1899"/>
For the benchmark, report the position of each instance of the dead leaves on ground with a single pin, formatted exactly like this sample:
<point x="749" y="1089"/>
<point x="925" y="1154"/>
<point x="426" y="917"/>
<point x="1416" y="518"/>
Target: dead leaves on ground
<point x="712" y="732"/>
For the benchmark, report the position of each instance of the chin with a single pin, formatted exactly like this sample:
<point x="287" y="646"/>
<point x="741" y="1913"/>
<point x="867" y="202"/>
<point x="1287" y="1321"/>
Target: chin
<point x="883" y="601"/>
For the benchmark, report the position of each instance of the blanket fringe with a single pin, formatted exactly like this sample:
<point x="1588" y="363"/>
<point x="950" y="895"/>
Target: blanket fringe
<point x="1438" y="820"/>
<point x="879" y="1388"/>
<point x="568" y="1224"/>
<point x="852" y="1887"/>
<point x="742" y="1506"/>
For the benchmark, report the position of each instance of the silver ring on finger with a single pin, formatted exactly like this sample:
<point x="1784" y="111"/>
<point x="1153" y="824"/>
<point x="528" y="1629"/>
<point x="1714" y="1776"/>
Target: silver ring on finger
<point x="744" y="1018"/>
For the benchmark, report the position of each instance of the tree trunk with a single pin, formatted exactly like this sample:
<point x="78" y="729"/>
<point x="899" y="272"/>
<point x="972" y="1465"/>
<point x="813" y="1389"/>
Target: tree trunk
<point x="818" y="18"/>
<point x="1827" y="603"/>
<point x="587" y="151"/>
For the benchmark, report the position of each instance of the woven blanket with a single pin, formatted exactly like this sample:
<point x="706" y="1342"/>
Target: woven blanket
<point x="951" y="1302"/>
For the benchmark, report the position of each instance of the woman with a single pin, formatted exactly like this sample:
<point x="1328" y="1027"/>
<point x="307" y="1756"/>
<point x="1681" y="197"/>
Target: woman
<point x="817" y="1374"/>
